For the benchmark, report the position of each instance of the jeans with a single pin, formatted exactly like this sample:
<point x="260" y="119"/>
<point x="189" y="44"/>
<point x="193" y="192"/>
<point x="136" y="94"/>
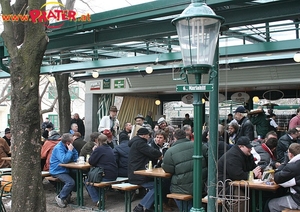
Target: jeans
<point x="69" y="185"/>
<point x="148" y="199"/>
<point x="179" y="204"/>
<point x="94" y="191"/>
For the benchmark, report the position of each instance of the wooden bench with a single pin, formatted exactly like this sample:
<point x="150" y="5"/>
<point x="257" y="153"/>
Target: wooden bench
<point x="58" y="183"/>
<point x="103" y="186"/>
<point x="127" y="188"/>
<point x="290" y="210"/>
<point x="183" y="198"/>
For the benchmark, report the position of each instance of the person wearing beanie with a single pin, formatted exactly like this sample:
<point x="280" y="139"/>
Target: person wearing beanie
<point x="47" y="148"/>
<point x="140" y="154"/>
<point x="7" y="136"/>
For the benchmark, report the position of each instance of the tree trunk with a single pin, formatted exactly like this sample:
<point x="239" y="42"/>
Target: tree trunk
<point x="27" y="188"/>
<point x="64" y="102"/>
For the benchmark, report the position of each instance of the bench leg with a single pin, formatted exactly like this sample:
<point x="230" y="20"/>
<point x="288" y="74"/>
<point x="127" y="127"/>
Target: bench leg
<point x="101" y="205"/>
<point x="128" y="201"/>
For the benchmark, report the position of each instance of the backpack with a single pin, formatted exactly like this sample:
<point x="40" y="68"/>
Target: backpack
<point x="95" y="175"/>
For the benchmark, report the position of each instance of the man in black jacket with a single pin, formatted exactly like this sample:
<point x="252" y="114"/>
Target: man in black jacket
<point x="139" y="155"/>
<point x="284" y="142"/>
<point x="288" y="176"/>
<point x="80" y="124"/>
<point x="246" y="127"/>
<point x="236" y="164"/>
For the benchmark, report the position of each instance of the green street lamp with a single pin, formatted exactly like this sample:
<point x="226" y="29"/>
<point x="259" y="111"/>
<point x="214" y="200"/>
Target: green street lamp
<point x="198" y="32"/>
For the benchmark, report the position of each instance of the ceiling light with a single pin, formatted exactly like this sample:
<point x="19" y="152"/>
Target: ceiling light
<point x="149" y="70"/>
<point x="95" y="74"/>
<point x="297" y="57"/>
<point x="255" y="99"/>
<point x="157" y="102"/>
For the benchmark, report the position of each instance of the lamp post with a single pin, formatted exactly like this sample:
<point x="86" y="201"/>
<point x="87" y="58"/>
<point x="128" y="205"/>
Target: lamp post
<point x="198" y="31"/>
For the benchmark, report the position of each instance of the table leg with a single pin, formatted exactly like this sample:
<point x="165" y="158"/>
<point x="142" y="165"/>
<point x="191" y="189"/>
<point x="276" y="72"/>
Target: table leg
<point x="81" y="187"/>
<point x="260" y="202"/>
<point x="155" y="194"/>
<point x="253" y="200"/>
<point x="77" y="187"/>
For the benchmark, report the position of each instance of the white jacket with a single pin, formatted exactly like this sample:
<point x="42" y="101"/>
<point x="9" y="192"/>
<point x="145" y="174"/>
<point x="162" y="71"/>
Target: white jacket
<point x="105" y="124"/>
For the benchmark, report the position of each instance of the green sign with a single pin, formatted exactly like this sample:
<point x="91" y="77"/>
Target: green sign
<point x="194" y="88"/>
<point x="106" y="83"/>
<point x="119" y="84"/>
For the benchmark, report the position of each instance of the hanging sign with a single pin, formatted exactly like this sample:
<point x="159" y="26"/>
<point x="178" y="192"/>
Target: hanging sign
<point x="240" y="97"/>
<point x="187" y="99"/>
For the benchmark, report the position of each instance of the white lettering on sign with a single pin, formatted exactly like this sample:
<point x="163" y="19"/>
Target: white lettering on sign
<point x="197" y="88"/>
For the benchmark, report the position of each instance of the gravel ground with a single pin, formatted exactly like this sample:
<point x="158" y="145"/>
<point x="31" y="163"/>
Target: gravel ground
<point x="114" y="202"/>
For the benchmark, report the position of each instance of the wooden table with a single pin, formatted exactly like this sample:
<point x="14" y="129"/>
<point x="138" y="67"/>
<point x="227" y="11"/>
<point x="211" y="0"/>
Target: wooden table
<point x="157" y="174"/>
<point x="259" y="188"/>
<point x="79" y="178"/>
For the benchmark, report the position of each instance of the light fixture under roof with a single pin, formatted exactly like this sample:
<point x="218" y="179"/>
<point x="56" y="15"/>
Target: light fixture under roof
<point x="95" y="74"/>
<point x="149" y="70"/>
<point x="297" y="57"/>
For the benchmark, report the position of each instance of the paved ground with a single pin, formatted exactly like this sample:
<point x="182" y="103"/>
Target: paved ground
<point x="114" y="202"/>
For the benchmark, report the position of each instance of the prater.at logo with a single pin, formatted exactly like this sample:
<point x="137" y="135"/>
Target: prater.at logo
<point x="48" y="16"/>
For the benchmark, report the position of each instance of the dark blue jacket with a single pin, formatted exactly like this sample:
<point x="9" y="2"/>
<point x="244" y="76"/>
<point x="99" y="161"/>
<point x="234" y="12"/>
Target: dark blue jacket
<point x="139" y="155"/>
<point x="103" y="156"/>
<point x="121" y="153"/>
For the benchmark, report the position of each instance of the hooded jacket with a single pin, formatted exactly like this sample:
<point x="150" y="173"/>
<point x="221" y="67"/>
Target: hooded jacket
<point x="288" y="175"/>
<point x="47" y="149"/>
<point x="140" y="154"/>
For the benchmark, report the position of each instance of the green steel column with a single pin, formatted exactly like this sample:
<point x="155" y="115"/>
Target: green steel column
<point x="213" y="134"/>
<point x="198" y="122"/>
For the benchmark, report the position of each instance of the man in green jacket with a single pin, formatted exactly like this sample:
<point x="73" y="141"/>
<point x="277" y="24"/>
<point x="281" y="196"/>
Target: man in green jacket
<point x="178" y="161"/>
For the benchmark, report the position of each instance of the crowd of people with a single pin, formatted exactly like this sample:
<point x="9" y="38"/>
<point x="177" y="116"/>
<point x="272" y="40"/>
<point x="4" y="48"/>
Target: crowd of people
<point x="120" y="152"/>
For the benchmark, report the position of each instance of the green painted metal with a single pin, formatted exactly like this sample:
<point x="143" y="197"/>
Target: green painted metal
<point x="198" y="156"/>
<point x="213" y="134"/>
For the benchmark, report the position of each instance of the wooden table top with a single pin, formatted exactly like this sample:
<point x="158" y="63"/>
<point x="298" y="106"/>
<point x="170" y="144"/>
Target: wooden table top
<point x="156" y="172"/>
<point x="257" y="186"/>
<point x="75" y="165"/>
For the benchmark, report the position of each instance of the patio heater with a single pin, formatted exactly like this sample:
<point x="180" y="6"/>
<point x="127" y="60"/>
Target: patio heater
<point x="198" y="31"/>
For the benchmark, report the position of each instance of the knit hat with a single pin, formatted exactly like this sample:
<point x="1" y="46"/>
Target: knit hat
<point x="107" y="133"/>
<point x="161" y="120"/>
<point x="7" y="130"/>
<point x="143" y="131"/>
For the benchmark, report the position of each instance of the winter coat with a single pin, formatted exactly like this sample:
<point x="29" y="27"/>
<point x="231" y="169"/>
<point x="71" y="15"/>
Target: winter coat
<point x="263" y="156"/>
<point x="78" y="144"/>
<point x="87" y="149"/>
<point x="121" y="153"/>
<point x="246" y="129"/>
<point x="238" y="165"/>
<point x="283" y="144"/>
<point x="288" y="175"/>
<point x="61" y="154"/>
<point x="80" y="124"/>
<point x="47" y="149"/>
<point x="261" y="122"/>
<point x="178" y="161"/>
<point x="103" y="156"/>
<point x="4" y="151"/>
<point x="139" y="155"/>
